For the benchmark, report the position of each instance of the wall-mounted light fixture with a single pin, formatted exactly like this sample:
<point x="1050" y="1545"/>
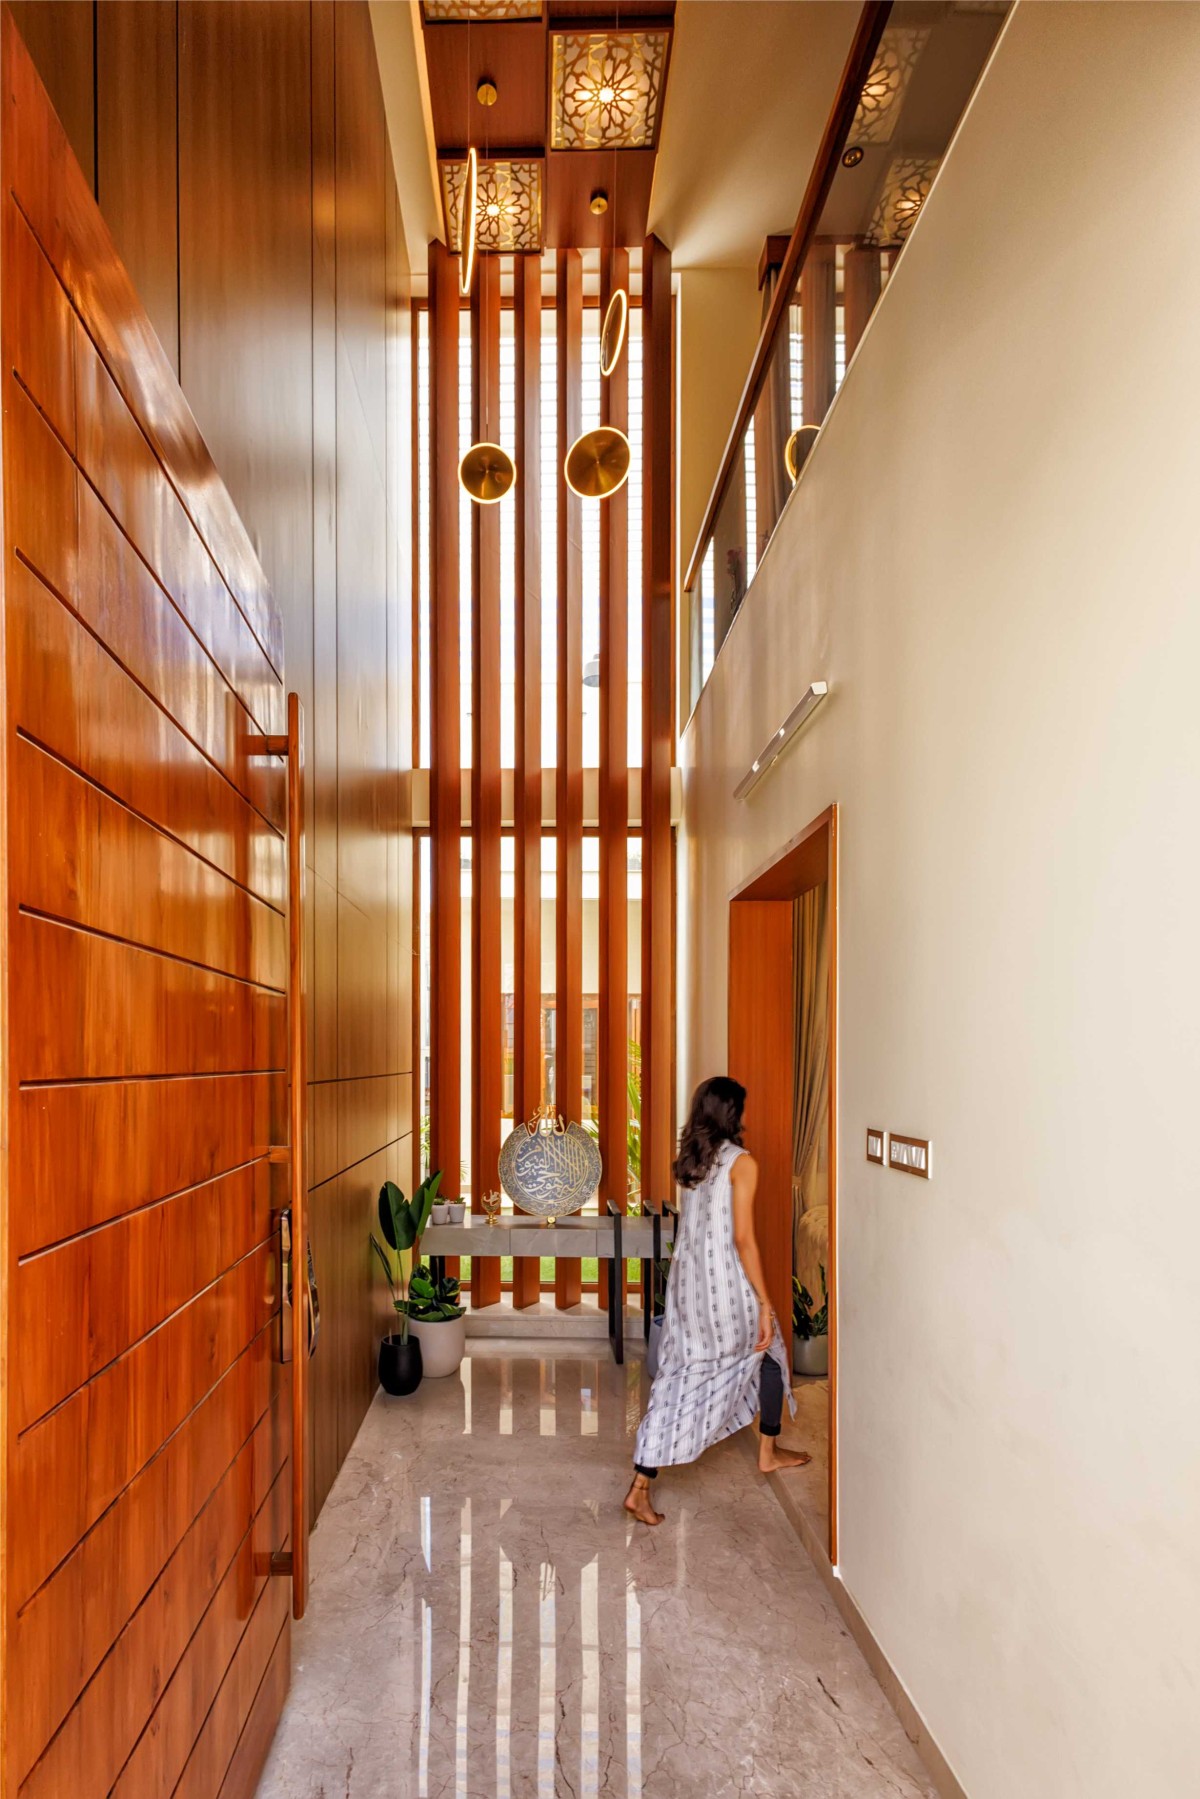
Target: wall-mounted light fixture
<point x="769" y="755"/>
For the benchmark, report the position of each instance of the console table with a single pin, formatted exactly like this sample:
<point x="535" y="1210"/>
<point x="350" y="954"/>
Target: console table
<point x="614" y="1239"/>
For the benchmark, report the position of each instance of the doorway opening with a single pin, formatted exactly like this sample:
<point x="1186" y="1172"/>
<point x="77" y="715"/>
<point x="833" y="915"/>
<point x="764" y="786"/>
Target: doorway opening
<point x="783" y="1049"/>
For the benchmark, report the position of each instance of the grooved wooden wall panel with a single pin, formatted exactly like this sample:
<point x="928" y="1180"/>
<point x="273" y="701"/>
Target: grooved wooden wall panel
<point x="260" y="220"/>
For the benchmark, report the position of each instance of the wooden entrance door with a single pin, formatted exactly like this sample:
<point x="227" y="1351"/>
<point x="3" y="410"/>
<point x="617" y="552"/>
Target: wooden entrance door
<point x="147" y="1430"/>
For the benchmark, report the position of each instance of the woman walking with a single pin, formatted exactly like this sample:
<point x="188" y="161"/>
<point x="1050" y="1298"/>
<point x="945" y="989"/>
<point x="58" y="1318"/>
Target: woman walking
<point x="721" y="1358"/>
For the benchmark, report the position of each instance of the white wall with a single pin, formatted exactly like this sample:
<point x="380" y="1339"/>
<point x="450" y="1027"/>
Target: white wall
<point x="994" y="558"/>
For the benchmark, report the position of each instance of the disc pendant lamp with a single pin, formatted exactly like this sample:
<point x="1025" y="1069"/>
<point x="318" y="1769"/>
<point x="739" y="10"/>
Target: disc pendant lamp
<point x="796" y="450"/>
<point x="597" y="464"/>
<point x="487" y="473"/>
<point x="612" y="332"/>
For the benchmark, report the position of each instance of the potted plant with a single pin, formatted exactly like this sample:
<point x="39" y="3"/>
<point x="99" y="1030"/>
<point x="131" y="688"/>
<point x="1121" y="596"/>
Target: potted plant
<point x="402" y="1222"/>
<point x="810" y="1329"/>
<point x="437" y="1320"/>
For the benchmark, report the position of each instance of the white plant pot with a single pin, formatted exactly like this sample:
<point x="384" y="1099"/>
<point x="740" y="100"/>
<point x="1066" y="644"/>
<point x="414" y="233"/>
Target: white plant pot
<point x="457" y="1211"/>
<point x="810" y="1355"/>
<point x="443" y="1343"/>
<point x="439" y="1214"/>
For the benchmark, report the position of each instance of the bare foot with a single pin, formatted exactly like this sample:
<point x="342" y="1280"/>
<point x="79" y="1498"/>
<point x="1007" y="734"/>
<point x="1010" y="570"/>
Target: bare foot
<point x="637" y="1502"/>
<point x="773" y="1461"/>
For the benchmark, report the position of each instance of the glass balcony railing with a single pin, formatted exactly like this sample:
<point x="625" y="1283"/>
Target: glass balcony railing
<point x="911" y="72"/>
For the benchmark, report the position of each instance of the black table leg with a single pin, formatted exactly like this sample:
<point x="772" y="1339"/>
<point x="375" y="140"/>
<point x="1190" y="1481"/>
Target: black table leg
<point x="616" y="1309"/>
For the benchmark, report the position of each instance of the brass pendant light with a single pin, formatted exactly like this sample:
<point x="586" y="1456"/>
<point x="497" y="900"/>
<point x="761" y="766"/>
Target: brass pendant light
<point x="597" y="464"/>
<point x="487" y="473"/>
<point x="467" y="224"/>
<point x="796" y="450"/>
<point x="612" y="332"/>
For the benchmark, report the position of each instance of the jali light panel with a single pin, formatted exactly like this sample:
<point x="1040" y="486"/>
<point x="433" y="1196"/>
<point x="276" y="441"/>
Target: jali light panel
<point x="606" y="89"/>
<point x="509" y="208"/>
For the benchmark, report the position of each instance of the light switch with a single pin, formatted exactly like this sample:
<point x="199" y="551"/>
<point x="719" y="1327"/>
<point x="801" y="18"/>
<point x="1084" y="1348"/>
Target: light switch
<point x="911" y="1155"/>
<point x="876" y="1141"/>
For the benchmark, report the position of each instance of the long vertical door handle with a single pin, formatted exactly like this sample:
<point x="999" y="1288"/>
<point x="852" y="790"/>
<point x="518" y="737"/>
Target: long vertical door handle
<point x="297" y="1026"/>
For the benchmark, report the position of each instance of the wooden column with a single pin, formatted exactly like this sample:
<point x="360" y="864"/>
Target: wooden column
<point x="445" y="798"/>
<point x="658" y="732"/>
<point x="527" y="820"/>
<point x="486" y="1016"/>
<point x="568" y="1048"/>
<point x="818" y="324"/>
<point x="862" y="284"/>
<point x="613" y="1047"/>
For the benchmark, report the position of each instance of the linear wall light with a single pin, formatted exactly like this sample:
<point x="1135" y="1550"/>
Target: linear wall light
<point x="769" y="755"/>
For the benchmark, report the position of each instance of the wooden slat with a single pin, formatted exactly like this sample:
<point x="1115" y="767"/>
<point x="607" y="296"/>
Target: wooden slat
<point x="38" y="328"/>
<point x="90" y="1300"/>
<point x="527" y="901"/>
<point x="658" y="728"/>
<point x="82" y="1155"/>
<point x="91" y="1448"/>
<point x="94" y="1009"/>
<point x="250" y="1756"/>
<point x="297" y="1065"/>
<point x="861" y="291"/>
<point x="79" y="856"/>
<point x="818" y="327"/>
<point x="612" y="1046"/>
<point x="208" y="1577"/>
<point x="486" y="1018"/>
<point x="568" y="1042"/>
<point x="446" y="790"/>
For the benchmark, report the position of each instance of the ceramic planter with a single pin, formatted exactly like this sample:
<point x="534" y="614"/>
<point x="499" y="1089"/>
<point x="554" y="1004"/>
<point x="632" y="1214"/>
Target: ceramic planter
<point x="810" y="1355"/>
<point x="443" y="1343"/>
<point x="439" y="1214"/>
<point x="457" y="1211"/>
<point x="400" y="1365"/>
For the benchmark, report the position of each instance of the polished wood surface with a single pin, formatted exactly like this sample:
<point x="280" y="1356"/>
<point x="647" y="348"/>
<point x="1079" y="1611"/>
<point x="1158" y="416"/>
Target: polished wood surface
<point x="144" y="640"/>
<point x="818" y="330"/>
<point x="658" y="727"/>
<point x="61" y="37"/>
<point x="147" y="961"/>
<point x="568" y="1042"/>
<point x="297" y="1157"/>
<point x="862" y="281"/>
<point x="527" y="823"/>
<point x="762" y="1051"/>
<point x="486" y="1018"/>
<point x="613" y="1035"/>
<point x="446" y="786"/>
<point x="873" y="18"/>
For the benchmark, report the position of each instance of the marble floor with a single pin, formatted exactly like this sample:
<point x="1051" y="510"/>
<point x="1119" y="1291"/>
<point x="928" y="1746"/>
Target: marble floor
<point x="809" y="1429"/>
<point x="485" y="1623"/>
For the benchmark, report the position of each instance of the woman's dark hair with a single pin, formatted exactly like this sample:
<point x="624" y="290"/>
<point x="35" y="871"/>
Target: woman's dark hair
<point x="715" y="1118"/>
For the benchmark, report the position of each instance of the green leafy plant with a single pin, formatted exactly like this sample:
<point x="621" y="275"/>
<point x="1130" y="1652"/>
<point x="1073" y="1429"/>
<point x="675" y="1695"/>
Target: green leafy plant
<point x="806" y="1321"/>
<point x="402" y="1222"/>
<point x="633" y="1123"/>
<point x="430" y="1299"/>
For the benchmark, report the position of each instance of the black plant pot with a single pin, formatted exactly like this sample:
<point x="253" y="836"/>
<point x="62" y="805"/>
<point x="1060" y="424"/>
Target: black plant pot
<point x="399" y="1365"/>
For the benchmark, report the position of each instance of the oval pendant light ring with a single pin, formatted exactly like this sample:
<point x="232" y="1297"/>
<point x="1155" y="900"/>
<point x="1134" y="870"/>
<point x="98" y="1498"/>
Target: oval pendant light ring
<point x="612" y="332"/>
<point x="467" y="224"/>
<point x="486" y="473"/>
<point x="597" y="464"/>
<point x="797" y="449"/>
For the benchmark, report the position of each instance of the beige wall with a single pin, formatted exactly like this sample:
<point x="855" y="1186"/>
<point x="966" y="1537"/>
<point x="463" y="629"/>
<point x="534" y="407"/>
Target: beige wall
<point x="992" y="558"/>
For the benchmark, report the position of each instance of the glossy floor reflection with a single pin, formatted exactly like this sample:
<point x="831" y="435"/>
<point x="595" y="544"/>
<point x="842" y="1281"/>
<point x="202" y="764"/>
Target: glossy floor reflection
<point x="485" y="1623"/>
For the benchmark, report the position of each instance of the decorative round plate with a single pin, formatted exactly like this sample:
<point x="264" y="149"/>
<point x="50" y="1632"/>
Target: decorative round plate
<point x="549" y="1168"/>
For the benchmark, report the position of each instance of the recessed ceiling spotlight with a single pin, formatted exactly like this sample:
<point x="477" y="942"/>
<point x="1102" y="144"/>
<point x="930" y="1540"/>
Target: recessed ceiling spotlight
<point x="852" y="156"/>
<point x="486" y="92"/>
<point x="599" y="202"/>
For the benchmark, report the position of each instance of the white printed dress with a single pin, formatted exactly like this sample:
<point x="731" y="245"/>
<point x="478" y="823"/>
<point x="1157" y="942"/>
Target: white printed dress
<point x="708" y="1371"/>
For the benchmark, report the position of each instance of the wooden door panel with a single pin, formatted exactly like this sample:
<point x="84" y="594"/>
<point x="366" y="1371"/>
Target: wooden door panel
<point x="206" y="1769"/>
<point x="94" y="1727"/>
<point x="81" y="1155"/>
<point x="94" y="1298"/>
<point x="89" y="1450"/>
<point x="63" y="1633"/>
<point x="83" y="858"/>
<point x="37" y="328"/>
<point x="70" y="695"/>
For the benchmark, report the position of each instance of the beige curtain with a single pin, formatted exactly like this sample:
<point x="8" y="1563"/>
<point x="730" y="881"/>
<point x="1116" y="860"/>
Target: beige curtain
<point x="811" y="1096"/>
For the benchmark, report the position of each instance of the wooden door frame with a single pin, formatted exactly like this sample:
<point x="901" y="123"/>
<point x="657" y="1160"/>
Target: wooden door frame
<point x="803" y="863"/>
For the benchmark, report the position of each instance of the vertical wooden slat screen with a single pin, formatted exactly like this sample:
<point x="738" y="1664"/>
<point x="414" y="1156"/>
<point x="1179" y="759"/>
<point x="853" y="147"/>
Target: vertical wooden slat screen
<point x="568" y="1041"/>
<point x="612" y="1046"/>
<point x="486" y="1043"/>
<point x="446" y="778"/>
<point x="818" y="323"/>
<point x="658" y="719"/>
<point x="862" y="286"/>
<point x="527" y="821"/>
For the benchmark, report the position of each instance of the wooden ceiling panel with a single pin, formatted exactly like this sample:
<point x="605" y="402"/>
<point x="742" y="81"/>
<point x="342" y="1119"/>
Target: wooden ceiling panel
<point x="513" y="57"/>
<point x="572" y="177"/>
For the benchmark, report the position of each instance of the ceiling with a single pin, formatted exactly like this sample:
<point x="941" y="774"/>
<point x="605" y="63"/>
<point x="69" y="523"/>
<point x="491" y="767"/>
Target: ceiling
<point x="752" y="85"/>
<point x="744" y="78"/>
